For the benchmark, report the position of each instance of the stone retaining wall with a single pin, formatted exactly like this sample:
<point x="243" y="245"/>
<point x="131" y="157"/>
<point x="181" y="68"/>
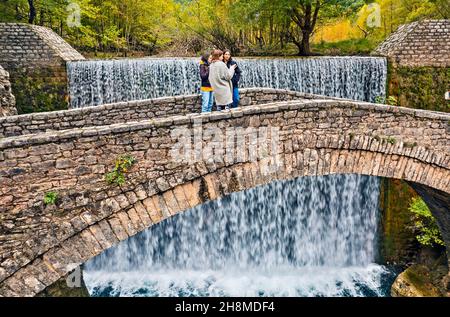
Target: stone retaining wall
<point x="7" y="100"/>
<point x="130" y="111"/>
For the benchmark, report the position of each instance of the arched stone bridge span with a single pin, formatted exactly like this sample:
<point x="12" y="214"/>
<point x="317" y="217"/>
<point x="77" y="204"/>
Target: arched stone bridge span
<point x="313" y="137"/>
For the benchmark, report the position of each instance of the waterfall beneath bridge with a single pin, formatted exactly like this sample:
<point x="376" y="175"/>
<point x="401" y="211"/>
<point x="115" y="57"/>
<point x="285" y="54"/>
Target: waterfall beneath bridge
<point x="314" y="236"/>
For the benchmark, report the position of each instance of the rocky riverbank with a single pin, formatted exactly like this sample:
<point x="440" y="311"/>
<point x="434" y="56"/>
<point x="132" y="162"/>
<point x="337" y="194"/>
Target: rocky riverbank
<point x="420" y="281"/>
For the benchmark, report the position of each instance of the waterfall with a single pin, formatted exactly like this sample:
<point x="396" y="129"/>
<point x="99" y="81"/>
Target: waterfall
<point x="313" y="236"/>
<point x="99" y="82"/>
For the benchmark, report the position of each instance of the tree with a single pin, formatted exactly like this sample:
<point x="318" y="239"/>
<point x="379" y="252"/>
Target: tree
<point x="253" y="27"/>
<point x="303" y="17"/>
<point x="32" y="14"/>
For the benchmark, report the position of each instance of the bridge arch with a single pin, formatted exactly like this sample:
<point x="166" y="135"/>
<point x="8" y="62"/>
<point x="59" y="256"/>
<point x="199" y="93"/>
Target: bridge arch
<point x="315" y="137"/>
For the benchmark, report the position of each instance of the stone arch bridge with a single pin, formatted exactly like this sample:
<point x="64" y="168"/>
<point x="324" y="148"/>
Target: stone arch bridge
<point x="69" y="152"/>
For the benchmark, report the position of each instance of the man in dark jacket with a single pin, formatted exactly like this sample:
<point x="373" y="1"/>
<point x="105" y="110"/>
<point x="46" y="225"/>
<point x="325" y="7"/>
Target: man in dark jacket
<point x="237" y="76"/>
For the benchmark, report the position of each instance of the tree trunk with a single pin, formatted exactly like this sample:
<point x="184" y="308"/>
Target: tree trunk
<point x="305" y="49"/>
<point x="32" y="14"/>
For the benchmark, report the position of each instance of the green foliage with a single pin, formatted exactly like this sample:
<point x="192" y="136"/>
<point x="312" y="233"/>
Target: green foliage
<point x="122" y="166"/>
<point x="245" y="26"/>
<point x="391" y="100"/>
<point x="50" y="198"/>
<point x="380" y="99"/>
<point x="398" y="240"/>
<point x="420" y="87"/>
<point x="39" y="92"/>
<point x="347" y="47"/>
<point x="106" y="25"/>
<point x="425" y="223"/>
<point x="391" y="140"/>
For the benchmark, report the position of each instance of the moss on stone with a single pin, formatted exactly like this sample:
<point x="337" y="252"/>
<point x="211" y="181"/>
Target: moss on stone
<point x="203" y="193"/>
<point x="398" y="245"/>
<point x="416" y="281"/>
<point x="40" y="90"/>
<point x="420" y="87"/>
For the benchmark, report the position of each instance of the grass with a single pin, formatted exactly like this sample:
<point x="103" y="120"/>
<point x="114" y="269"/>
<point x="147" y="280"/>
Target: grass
<point x="347" y="47"/>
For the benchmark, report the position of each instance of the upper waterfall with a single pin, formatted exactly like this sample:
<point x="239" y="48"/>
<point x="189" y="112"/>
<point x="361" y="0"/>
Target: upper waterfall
<point x="99" y="82"/>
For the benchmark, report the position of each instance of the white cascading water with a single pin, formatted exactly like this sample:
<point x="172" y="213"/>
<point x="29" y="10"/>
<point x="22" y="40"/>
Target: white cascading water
<point x="99" y="82"/>
<point x="313" y="236"/>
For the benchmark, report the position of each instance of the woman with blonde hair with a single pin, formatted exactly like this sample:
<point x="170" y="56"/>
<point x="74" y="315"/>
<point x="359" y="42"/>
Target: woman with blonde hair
<point x="220" y="78"/>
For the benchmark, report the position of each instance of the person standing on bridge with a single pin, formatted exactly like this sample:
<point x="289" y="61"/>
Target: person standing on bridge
<point x="220" y="78"/>
<point x="237" y="76"/>
<point x="206" y="89"/>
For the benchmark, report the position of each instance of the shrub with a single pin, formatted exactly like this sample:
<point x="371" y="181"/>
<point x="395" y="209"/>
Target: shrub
<point x="425" y="223"/>
<point x="50" y="198"/>
<point x="122" y="166"/>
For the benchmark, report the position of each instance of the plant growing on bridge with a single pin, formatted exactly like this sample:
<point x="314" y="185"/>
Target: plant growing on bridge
<point x="122" y="166"/>
<point x="391" y="100"/>
<point x="50" y="198"/>
<point x="425" y="223"/>
<point x="380" y="99"/>
<point x="391" y="140"/>
<point x="410" y="145"/>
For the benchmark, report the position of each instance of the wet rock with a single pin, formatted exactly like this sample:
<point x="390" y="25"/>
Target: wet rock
<point x="61" y="289"/>
<point x="419" y="281"/>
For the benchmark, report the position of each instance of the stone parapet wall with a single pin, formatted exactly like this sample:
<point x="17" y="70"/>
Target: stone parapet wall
<point x="7" y="100"/>
<point x="422" y="43"/>
<point x="123" y="112"/>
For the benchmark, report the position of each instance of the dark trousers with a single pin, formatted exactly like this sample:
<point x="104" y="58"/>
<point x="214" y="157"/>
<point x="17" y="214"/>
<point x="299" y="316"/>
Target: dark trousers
<point x="220" y="108"/>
